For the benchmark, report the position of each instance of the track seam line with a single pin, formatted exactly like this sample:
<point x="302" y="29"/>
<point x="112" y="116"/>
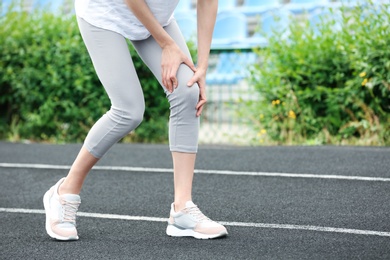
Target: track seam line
<point x="236" y="224"/>
<point x="199" y="171"/>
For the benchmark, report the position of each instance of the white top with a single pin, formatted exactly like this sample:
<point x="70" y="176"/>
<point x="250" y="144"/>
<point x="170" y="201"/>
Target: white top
<point x="115" y="15"/>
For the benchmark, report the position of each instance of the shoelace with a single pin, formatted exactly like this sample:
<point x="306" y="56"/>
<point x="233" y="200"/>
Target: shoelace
<point x="195" y="212"/>
<point x="70" y="209"/>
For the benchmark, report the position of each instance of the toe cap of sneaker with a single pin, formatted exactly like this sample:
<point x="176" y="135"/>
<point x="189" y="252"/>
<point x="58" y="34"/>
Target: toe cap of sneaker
<point x="65" y="232"/>
<point x="210" y="228"/>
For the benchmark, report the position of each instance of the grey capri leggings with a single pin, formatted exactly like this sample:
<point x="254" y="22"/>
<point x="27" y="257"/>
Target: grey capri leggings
<point x="113" y="64"/>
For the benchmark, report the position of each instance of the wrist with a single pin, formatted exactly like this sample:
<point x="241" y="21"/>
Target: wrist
<point x="202" y="66"/>
<point x="166" y="43"/>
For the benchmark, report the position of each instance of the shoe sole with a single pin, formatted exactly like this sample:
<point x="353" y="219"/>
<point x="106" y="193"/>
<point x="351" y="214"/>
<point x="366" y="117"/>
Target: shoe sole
<point x="49" y="231"/>
<point x="176" y="232"/>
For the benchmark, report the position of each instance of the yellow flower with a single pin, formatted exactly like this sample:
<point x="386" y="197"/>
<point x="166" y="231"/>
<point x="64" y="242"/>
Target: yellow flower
<point x="362" y="75"/>
<point x="261" y="132"/>
<point x="275" y="102"/>
<point x="261" y="116"/>
<point x="291" y="114"/>
<point x="364" y="82"/>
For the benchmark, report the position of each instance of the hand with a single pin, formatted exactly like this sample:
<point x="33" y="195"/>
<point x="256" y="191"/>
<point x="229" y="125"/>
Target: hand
<point x="172" y="57"/>
<point x="200" y="78"/>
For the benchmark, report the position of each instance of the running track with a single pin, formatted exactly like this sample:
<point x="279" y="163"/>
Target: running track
<point x="277" y="203"/>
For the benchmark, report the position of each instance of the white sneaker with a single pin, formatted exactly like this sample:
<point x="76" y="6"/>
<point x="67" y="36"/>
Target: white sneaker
<point x="61" y="213"/>
<point x="192" y="222"/>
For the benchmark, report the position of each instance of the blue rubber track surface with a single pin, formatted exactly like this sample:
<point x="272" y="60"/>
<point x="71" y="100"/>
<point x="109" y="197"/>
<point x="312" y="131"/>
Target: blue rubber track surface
<point x="317" y="202"/>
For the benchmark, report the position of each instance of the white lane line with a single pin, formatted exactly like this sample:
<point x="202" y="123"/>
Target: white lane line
<point x="220" y="172"/>
<point x="236" y="224"/>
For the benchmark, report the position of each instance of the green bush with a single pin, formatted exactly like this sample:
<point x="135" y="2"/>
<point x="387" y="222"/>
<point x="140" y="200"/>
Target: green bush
<point x="330" y="86"/>
<point x="48" y="87"/>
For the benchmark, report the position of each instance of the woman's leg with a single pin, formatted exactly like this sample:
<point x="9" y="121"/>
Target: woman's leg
<point x="185" y="217"/>
<point x="183" y="172"/>
<point x="73" y="182"/>
<point x="113" y="64"/>
<point x="112" y="61"/>
<point x="183" y="123"/>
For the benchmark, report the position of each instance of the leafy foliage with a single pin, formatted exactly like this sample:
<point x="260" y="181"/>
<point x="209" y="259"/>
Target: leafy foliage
<point x="48" y="87"/>
<point x="328" y="83"/>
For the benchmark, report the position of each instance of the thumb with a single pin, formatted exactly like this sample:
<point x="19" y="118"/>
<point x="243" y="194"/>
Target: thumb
<point x="192" y="80"/>
<point x="190" y="64"/>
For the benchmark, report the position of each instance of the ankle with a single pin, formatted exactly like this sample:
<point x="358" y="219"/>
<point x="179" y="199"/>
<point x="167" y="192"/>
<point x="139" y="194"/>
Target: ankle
<point x="180" y="205"/>
<point x="65" y="189"/>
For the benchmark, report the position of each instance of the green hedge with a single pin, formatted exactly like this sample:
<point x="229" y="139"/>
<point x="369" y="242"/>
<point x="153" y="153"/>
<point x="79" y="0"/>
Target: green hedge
<point x="48" y="87"/>
<point x="330" y="86"/>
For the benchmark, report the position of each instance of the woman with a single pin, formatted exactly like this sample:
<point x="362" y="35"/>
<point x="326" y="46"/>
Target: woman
<point x="104" y="26"/>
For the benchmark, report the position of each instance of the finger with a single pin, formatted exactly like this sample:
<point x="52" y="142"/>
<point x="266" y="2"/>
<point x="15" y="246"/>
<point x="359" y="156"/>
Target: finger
<point x="200" y="108"/>
<point x="174" y="82"/>
<point x="200" y="104"/>
<point x="168" y="83"/>
<point x="202" y="97"/>
<point x="172" y="77"/>
<point x="164" y="78"/>
<point x="167" y="79"/>
<point x="202" y="100"/>
<point x="189" y="63"/>
<point x="192" y="81"/>
<point x="199" y="113"/>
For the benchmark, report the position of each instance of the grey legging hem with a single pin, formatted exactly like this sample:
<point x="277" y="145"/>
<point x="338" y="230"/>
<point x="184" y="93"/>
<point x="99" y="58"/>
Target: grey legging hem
<point x="113" y="64"/>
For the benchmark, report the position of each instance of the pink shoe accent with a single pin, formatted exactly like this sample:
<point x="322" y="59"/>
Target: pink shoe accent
<point x="61" y="213"/>
<point x="192" y="222"/>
